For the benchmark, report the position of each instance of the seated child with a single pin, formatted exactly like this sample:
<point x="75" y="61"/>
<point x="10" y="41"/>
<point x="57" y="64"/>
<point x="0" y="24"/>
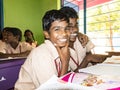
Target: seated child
<point x="53" y="57"/>
<point x="79" y="42"/>
<point x="2" y="44"/>
<point x="29" y="38"/>
<point x="14" y="47"/>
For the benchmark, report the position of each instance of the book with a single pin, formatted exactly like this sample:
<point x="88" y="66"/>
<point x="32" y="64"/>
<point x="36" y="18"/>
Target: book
<point x="55" y="83"/>
<point x="100" y="82"/>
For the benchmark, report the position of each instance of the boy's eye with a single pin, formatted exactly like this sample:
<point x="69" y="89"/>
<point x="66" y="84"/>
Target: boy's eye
<point x="67" y="28"/>
<point x="57" y="28"/>
<point x="9" y="34"/>
<point x="72" y="27"/>
<point x="61" y="28"/>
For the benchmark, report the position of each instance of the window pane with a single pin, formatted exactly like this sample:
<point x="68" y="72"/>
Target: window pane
<point x="102" y="22"/>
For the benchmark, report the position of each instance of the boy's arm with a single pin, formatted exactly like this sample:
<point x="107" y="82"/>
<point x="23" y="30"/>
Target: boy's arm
<point x="64" y="54"/>
<point x="92" y="58"/>
<point x="24" y="82"/>
<point x="84" y="62"/>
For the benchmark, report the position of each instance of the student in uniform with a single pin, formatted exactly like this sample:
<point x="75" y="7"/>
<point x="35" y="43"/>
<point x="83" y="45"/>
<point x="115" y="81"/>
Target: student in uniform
<point x="1" y="42"/>
<point x="29" y="38"/>
<point x="4" y="34"/>
<point x="80" y="42"/>
<point x="13" y="45"/>
<point x="53" y="57"/>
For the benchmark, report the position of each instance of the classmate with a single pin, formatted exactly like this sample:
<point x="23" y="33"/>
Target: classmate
<point x="4" y="34"/>
<point x="3" y="38"/>
<point x="13" y="45"/>
<point x="53" y="57"/>
<point x="1" y="42"/>
<point x="29" y="38"/>
<point x="82" y="48"/>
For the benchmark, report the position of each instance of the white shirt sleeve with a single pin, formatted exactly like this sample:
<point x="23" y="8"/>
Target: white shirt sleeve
<point x="89" y="46"/>
<point x="2" y="47"/>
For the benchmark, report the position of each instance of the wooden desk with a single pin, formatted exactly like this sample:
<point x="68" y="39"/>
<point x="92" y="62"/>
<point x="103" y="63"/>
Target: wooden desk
<point x="116" y="53"/>
<point x="9" y="70"/>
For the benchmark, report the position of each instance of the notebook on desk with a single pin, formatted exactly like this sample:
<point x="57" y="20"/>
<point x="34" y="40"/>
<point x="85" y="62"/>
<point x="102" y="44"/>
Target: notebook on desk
<point x="90" y="78"/>
<point x="98" y="82"/>
<point x="100" y="76"/>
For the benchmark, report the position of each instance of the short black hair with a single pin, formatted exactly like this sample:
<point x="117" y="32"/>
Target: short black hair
<point x="70" y="12"/>
<point x="51" y="16"/>
<point x="28" y="30"/>
<point x="15" y="31"/>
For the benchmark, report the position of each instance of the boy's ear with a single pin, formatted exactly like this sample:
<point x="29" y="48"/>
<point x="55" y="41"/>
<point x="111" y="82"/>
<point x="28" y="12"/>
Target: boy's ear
<point x="46" y="34"/>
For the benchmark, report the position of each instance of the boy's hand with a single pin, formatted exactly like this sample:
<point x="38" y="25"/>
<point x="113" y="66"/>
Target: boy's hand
<point x="64" y="54"/>
<point x="83" y="39"/>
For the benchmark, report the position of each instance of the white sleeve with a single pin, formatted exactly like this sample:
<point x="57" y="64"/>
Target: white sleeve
<point x="89" y="46"/>
<point x="2" y="47"/>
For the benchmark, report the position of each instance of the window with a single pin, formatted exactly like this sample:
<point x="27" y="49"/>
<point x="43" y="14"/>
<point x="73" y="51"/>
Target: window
<point x="102" y="23"/>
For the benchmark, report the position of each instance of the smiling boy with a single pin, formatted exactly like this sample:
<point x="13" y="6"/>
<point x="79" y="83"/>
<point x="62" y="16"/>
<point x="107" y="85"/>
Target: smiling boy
<point x="53" y="57"/>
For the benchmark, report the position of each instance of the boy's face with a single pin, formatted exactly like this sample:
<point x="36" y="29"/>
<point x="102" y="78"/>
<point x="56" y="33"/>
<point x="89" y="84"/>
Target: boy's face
<point x="73" y="29"/>
<point x="11" y="38"/>
<point x="59" y="33"/>
<point x="4" y="34"/>
<point x="28" y="36"/>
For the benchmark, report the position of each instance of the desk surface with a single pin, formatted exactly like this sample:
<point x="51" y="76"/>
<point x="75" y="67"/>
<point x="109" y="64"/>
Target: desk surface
<point x="103" y="77"/>
<point x="117" y="53"/>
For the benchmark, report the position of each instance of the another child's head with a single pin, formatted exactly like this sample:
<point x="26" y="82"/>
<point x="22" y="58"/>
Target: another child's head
<point x="28" y="34"/>
<point x="13" y="34"/>
<point x="51" y="16"/>
<point x="70" y="12"/>
<point x="4" y="34"/>
<point x="73" y="17"/>
<point x="56" y="27"/>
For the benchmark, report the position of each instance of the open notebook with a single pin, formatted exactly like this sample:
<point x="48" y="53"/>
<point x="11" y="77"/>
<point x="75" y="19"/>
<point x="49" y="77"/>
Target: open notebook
<point x="97" y="77"/>
<point x="109" y="74"/>
<point x="55" y="83"/>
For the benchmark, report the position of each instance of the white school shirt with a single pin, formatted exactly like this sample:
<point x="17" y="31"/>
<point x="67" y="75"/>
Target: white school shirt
<point x="22" y="47"/>
<point x="41" y="64"/>
<point x="2" y="46"/>
<point x="33" y="44"/>
<point x="81" y="51"/>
